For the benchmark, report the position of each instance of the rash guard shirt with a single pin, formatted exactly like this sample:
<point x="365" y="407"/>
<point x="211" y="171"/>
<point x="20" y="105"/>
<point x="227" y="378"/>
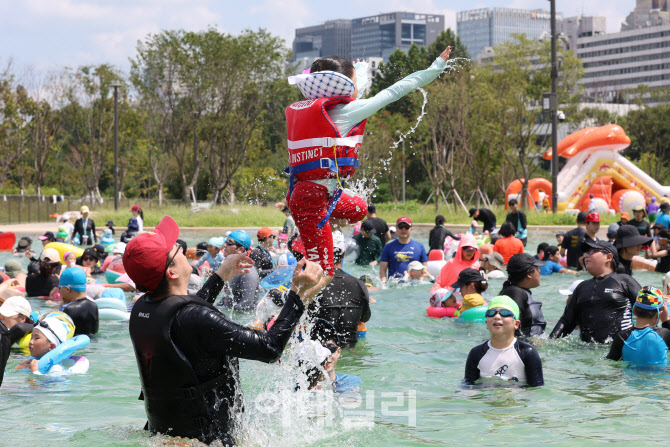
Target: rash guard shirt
<point x="519" y="362"/>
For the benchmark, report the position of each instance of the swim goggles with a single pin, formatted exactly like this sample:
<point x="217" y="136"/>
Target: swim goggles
<point x="490" y="313"/>
<point x="45" y="325"/>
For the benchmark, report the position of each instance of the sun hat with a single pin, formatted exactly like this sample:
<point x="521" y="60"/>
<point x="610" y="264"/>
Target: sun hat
<point x="474" y="223"/>
<point x="649" y="298"/>
<point x="51" y="254"/>
<point x="495" y="259"/>
<point x="22" y="245"/>
<point x="570" y="289"/>
<point x="53" y="329"/>
<point x="15" y="305"/>
<point x="91" y="252"/>
<point x="440" y="296"/>
<point x="265" y="232"/>
<point x="322" y="84"/>
<point x="110" y="223"/>
<point x="467" y="276"/>
<point x="74" y="278"/>
<point x="146" y="255"/>
<point x="119" y="248"/>
<point x="84" y="209"/>
<point x="628" y="236"/>
<point x="216" y="241"/>
<point x="625" y="216"/>
<point x="241" y="238"/>
<point x="505" y="302"/>
<point x="65" y="217"/>
<point x="13" y="268"/>
<point x="312" y="353"/>
<point x="133" y="225"/>
<point x="415" y="265"/>
<point x="640" y="208"/>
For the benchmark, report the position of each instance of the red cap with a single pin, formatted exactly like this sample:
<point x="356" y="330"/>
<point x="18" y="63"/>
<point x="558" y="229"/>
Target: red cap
<point x="146" y="254"/>
<point x="135" y="208"/>
<point x="265" y="232"/>
<point x="406" y="220"/>
<point x="593" y="217"/>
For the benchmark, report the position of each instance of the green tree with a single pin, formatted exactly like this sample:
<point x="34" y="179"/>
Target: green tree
<point x="649" y="131"/>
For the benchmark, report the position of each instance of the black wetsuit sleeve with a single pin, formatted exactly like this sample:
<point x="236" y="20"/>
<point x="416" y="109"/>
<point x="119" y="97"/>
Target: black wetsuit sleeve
<point x="665" y="334"/>
<point x="568" y="321"/>
<point x="211" y="289"/>
<point x="616" y="348"/>
<point x="365" y="316"/>
<point x="472" y="363"/>
<point x="5" y="345"/>
<point x="632" y="287"/>
<point x="531" y="360"/>
<point x="452" y="235"/>
<point x="522" y="216"/>
<point x="215" y="333"/>
<point x="18" y="331"/>
<point x="94" y="236"/>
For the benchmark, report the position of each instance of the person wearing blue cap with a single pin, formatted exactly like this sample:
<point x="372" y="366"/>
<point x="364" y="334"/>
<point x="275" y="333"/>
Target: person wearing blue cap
<point x="214" y="255"/>
<point x="240" y="291"/>
<point x="647" y="344"/>
<point x="504" y="356"/>
<point x="82" y="310"/>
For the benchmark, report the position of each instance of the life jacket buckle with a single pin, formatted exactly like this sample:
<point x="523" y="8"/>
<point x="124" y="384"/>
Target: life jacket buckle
<point x="326" y="163"/>
<point x="328" y="141"/>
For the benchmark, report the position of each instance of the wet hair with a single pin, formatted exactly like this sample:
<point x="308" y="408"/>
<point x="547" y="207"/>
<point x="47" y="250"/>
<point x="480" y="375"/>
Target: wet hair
<point x="183" y="245"/>
<point x="549" y="251"/>
<point x="644" y="313"/>
<point x="439" y="219"/>
<point x="480" y="286"/>
<point x="515" y="277"/>
<point x="47" y="268"/>
<point x="333" y="63"/>
<point x="507" y="229"/>
<point x="542" y="247"/>
<point x="664" y="233"/>
<point x="581" y="217"/>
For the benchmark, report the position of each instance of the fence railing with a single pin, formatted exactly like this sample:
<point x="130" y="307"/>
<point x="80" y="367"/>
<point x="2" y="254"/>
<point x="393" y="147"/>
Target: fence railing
<point x="17" y="208"/>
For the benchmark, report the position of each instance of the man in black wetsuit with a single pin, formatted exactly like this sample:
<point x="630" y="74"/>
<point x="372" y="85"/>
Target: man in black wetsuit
<point x="187" y="350"/>
<point x="261" y="254"/>
<point x="486" y="217"/>
<point x="14" y="313"/>
<point x="82" y="310"/>
<point x="600" y="306"/>
<point x="572" y="242"/>
<point x="344" y="302"/>
<point x="628" y="243"/>
<point x="524" y="274"/>
<point x="439" y="234"/>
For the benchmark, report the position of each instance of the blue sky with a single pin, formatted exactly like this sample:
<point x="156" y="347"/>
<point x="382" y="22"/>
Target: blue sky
<point x="47" y="34"/>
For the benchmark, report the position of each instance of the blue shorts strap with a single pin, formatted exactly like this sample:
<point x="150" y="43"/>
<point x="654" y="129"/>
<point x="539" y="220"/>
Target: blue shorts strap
<point x="331" y="207"/>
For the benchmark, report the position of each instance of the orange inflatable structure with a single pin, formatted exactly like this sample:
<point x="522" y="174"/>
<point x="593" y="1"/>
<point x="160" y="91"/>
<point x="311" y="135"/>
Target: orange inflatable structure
<point x="594" y="167"/>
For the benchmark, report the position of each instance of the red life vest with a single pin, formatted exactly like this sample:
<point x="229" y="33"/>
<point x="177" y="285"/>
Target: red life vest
<point x="315" y="147"/>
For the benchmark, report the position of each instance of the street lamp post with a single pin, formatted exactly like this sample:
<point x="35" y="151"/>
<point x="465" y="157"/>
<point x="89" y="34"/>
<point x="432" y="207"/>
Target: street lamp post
<point x="554" y="113"/>
<point x="116" y="86"/>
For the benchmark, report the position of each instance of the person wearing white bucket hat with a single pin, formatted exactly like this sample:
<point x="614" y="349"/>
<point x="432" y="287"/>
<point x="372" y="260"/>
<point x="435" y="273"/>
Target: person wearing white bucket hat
<point x="324" y="136"/>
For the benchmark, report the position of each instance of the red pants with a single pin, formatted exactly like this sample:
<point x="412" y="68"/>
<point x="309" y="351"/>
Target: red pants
<point x="308" y="205"/>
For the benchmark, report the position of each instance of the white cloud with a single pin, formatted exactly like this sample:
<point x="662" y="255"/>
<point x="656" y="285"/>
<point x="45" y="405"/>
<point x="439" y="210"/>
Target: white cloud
<point x="67" y="9"/>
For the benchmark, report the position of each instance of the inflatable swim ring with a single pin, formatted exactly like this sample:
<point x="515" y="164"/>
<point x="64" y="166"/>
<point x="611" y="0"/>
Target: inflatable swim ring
<point x="434" y="267"/>
<point x="62" y="248"/>
<point x="474" y="314"/>
<point x="441" y="312"/>
<point x="281" y="277"/>
<point x="62" y="352"/>
<point x="111" y="276"/>
<point x="112" y="309"/>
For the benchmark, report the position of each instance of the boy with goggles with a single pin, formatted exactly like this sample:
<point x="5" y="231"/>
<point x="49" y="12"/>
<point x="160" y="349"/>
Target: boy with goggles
<point x="647" y="344"/>
<point x="504" y="356"/>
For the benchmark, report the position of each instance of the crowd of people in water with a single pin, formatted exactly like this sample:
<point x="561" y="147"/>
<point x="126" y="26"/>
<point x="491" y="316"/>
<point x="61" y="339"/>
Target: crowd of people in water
<point x="272" y="279"/>
<point x="187" y="349"/>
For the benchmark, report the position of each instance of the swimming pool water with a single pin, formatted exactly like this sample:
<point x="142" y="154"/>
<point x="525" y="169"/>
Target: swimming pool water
<point x="586" y="400"/>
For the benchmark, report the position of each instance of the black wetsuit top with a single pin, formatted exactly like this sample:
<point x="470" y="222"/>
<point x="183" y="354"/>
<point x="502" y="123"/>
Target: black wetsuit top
<point x="514" y="219"/>
<point x="381" y="228"/>
<point x="127" y="235"/>
<point x="572" y="242"/>
<point x="616" y="348"/>
<point x="530" y="311"/>
<point x="7" y="338"/>
<point x="642" y="226"/>
<point x="438" y="235"/>
<point x="624" y="266"/>
<point x="262" y="261"/>
<point x="38" y="285"/>
<point x="487" y="218"/>
<point x="601" y="307"/>
<point x="85" y="316"/>
<point x="79" y="230"/>
<point x="344" y="302"/>
<point x="663" y="264"/>
<point x="527" y="354"/>
<point x="212" y="344"/>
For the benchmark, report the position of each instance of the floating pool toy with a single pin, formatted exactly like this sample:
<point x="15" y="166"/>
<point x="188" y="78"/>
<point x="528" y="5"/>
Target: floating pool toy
<point x="112" y="309"/>
<point x="475" y="314"/>
<point x="62" y="248"/>
<point x="441" y="312"/>
<point x="62" y="352"/>
<point x="111" y="276"/>
<point x="278" y="278"/>
<point x="7" y="241"/>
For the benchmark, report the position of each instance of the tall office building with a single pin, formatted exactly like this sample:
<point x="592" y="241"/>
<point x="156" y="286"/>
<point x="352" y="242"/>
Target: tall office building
<point x="574" y="28"/>
<point x="374" y="36"/>
<point x="487" y="27"/>
<point x="330" y="38"/>
<point x="648" y="13"/>
<point x="381" y="35"/>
